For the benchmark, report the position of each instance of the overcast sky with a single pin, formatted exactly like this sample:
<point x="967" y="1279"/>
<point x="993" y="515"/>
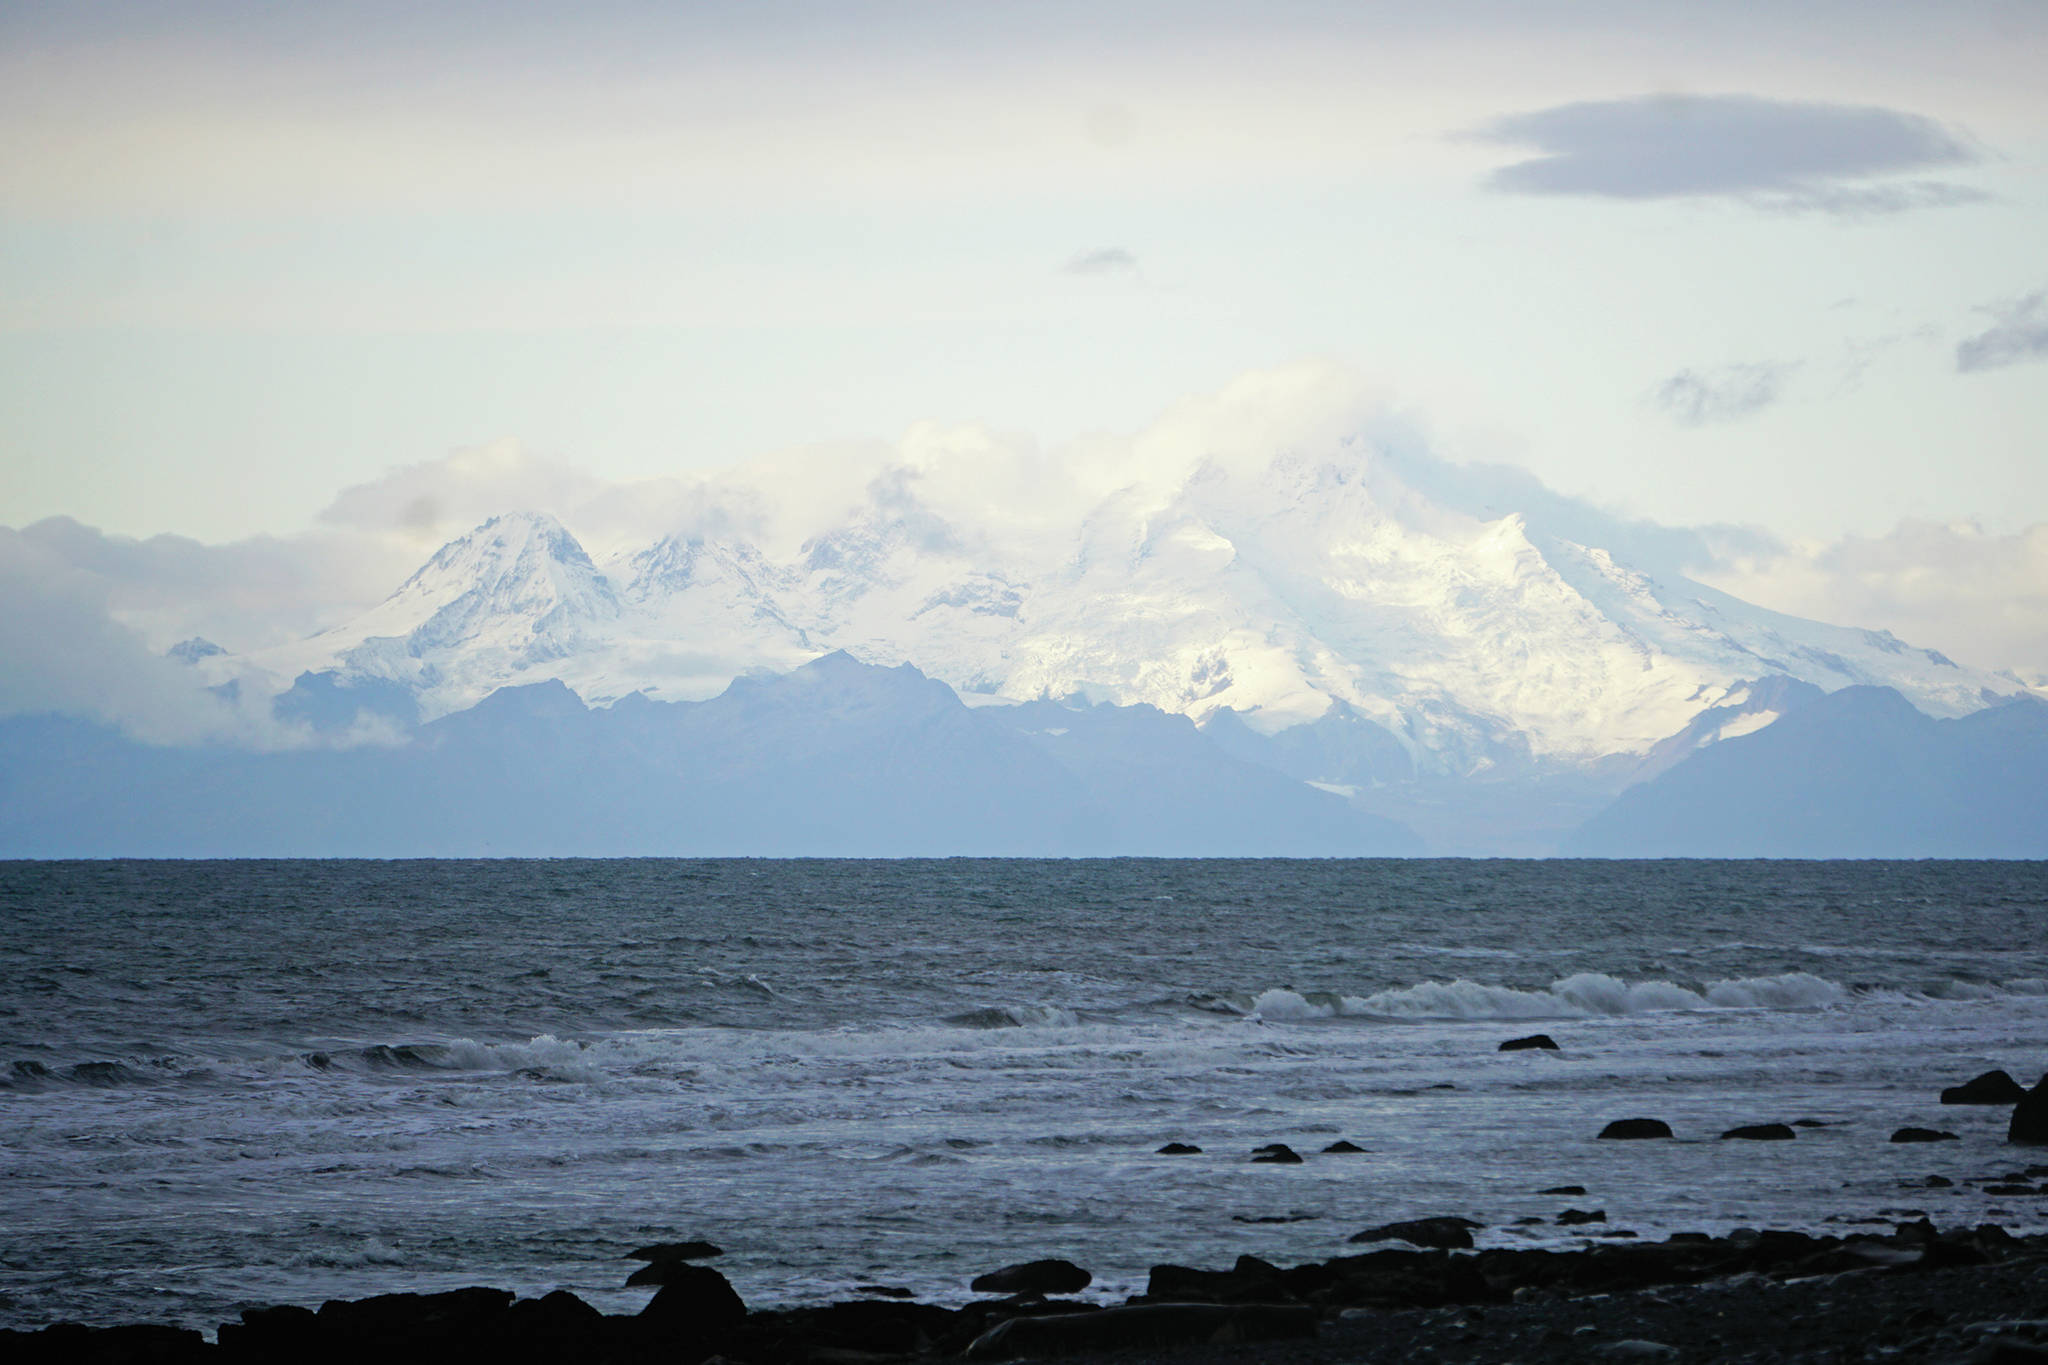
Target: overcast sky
<point x="1782" y="264"/>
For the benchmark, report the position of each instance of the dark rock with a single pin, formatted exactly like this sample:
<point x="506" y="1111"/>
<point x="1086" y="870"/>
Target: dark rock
<point x="674" y="1251"/>
<point x="1180" y="1149"/>
<point x="557" y="1326"/>
<point x="558" y="1307"/>
<point x="660" y="1272"/>
<point x="71" y="1343"/>
<point x="975" y="1318"/>
<point x="1564" y="1189"/>
<point x="1251" y="1280"/>
<point x="1142" y="1325"/>
<point x="1445" y="1233"/>
<point x="1277" y="1153"/>
<point x="410" y="1323"/>
<point x="1762" y="1132"/>
<point x="2030" y="1117"/>
<point x="695" y="1301"/>
<point x="1342" y="1147"/>
<point x="1637" y="1128"/>
<point x="1542" y="1041"/>
<point x="1034" y="1277"/>
<point x="279" y="1333"/>
<point x="1810" y="1123"/>
<point x="1922" y="1135"/>
<point x="884" y="1291"/>
<point x="872" y="1327"/>
<point x="1993" y="1087"/>
<point x="1572" y="1218"/>
<point x="1937" y="1182"/>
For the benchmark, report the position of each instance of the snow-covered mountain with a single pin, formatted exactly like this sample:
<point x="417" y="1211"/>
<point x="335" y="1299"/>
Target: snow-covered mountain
<point x="1268" y="592"/>
<point x="516" y="595"/>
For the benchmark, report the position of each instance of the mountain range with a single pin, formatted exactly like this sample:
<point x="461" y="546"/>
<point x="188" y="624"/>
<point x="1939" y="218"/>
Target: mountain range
<point x="1329" y="649"/>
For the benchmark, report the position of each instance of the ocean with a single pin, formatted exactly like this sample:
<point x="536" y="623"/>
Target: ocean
<point x="238" y="1083"/>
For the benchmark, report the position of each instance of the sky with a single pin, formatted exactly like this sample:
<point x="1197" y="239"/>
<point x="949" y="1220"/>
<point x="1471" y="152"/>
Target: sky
<point x="1779" y="266"/>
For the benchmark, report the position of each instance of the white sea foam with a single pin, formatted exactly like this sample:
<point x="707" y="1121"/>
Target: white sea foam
<point x="369" y="1251"/>
<point x="1015" y="1016"/>
<point x="1583" y="995"/>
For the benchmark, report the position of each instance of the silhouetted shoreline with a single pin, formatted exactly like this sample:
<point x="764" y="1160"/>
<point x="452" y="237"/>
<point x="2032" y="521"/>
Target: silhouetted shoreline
<point x="1909" y="1291"/>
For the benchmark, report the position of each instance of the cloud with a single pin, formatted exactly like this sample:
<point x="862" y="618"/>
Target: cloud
<point x="434" y="499"/>
<point x="85" y="617"/>
<point x="2020" y="334"/>
<point x="1771" y="154"/>
<point x="1696" y="398"/>
<point x="1977" y="597"/>
<point x="62" y="652"/>
<point x="244" y="595"/>
<point x="1113" y="260"/>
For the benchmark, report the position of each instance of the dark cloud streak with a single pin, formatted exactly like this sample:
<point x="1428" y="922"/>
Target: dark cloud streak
<point x="2020" y="334"/>
<point x="1697" y="398"/>
<point x="1773" y="154"/>
<point x="1107" y="261"/>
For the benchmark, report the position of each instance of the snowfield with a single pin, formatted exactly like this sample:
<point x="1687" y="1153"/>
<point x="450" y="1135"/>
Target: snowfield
<point x="1483" y="639"/>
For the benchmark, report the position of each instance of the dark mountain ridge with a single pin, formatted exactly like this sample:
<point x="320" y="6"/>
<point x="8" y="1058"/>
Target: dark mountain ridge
<point x="836" y="758"/>
<point x="1858" y="773"/>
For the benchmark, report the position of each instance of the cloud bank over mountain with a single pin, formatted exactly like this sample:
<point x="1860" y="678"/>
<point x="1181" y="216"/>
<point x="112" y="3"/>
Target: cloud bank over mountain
<point x="1398" y="652"/>
<point x="872" y="546"/>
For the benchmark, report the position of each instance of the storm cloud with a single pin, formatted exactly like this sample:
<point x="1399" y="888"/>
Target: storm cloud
<point x="1773" y="154"/>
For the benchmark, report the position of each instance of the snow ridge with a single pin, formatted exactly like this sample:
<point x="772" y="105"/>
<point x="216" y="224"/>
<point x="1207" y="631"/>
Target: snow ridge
<point x="1276" y="588"/>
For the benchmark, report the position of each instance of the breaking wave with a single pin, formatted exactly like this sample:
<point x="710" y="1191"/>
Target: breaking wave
<point x="1014" y="1016"/>
<point x="370" y="1251"/>
<point x="1585" y="995"/>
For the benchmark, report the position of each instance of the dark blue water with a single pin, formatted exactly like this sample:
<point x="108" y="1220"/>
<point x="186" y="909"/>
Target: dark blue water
<point x="226" y="1083"/>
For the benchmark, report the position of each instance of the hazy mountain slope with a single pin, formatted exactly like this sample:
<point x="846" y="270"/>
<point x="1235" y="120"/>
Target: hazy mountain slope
<point x="1856" y="774"/>
<point x="835" y="758"/>
<point x="1162" y="785"/>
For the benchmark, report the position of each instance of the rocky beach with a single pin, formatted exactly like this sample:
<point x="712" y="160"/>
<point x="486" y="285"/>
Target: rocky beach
<point x="1941" y="1280"/>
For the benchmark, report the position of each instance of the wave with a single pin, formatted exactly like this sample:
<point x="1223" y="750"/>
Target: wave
<point x="543" y="1058"/>
<point x="33" y="1076"/>
<point x="1584" y="995"/>
<point x="371" y="1251"/>
<point x="1014" y="1016"/>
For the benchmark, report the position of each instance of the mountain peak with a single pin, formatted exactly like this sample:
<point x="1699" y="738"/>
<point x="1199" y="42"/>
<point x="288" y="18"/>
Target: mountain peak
<point x="510" y="543"/>
<point x="517" y="593"/>
<point x="1476" y="639"/>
